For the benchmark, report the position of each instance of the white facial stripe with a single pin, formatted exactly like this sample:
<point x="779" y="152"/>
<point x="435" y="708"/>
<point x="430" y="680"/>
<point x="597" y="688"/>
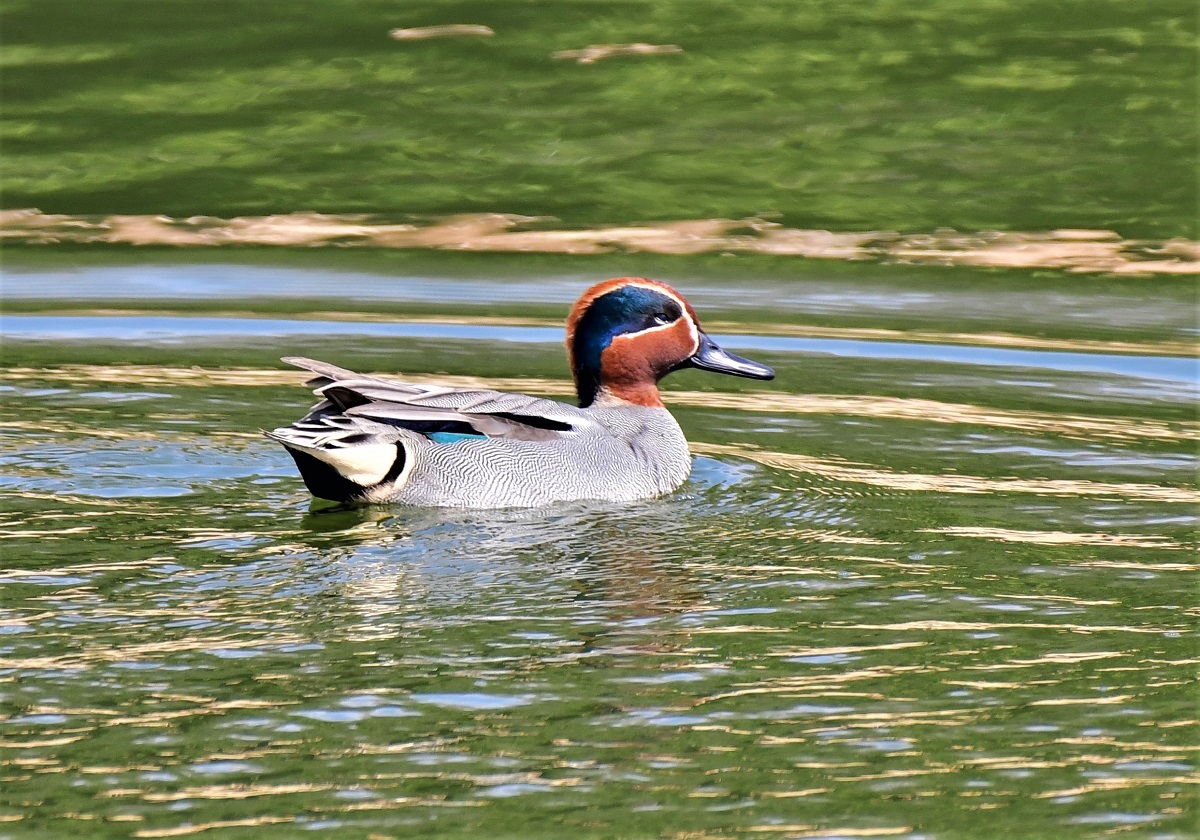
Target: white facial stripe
<point x="692" y="329"/>
<point x="685" y="315"/>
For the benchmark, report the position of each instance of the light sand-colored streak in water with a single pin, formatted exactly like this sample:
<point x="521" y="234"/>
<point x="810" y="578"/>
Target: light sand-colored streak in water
<point x="947" y="482"/>
<point x="1069" y="250"/>
<point x="1060" y="537"/>
<point x="896" y="408"/>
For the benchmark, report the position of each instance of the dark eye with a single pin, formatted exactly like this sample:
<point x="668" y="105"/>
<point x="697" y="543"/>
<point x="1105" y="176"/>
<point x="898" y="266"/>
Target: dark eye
<point x="661" y="318"/>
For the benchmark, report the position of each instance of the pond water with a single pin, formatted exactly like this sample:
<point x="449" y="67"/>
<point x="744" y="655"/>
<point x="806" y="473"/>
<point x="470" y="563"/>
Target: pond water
<point x="939" y="575"/>
<point x="873" y="115"/>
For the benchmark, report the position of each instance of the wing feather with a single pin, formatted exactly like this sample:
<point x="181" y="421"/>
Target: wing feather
<point x="491" y="413"/>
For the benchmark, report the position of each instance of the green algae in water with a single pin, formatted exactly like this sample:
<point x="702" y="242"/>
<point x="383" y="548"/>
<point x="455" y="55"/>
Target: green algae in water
<point x="833" y="115"/>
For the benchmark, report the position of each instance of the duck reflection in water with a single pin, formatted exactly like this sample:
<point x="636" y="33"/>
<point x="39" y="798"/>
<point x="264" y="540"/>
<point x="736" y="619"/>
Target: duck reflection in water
<point x="614" y="561"/>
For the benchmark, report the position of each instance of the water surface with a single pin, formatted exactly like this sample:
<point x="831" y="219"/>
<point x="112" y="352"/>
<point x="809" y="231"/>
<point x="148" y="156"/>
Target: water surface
<point x="900" y="596"/>
<point x="835" y="116"/>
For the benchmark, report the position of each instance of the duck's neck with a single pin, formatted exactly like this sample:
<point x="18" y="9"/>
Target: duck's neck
<point x="621" y="373"/>
<point x="643" y="394"/>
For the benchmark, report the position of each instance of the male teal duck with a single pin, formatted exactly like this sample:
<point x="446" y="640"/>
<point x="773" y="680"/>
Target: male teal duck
<point x="379" y="440"/>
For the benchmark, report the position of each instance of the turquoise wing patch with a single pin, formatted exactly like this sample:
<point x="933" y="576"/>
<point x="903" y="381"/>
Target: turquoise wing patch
<point x="452" y="437"/>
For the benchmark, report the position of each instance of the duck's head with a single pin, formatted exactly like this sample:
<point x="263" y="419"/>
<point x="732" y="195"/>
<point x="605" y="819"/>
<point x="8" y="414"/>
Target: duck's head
<point x="624" y="335"/>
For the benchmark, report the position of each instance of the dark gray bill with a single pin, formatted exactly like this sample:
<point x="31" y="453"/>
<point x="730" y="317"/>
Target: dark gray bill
<point x="712" y="357"/>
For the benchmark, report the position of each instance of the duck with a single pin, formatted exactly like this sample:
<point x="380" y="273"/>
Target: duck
<point x="375" y="440"/>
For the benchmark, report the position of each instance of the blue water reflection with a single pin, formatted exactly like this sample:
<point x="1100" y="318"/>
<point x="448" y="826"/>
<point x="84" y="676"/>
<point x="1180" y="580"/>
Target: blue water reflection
<point x="169" y="329"/>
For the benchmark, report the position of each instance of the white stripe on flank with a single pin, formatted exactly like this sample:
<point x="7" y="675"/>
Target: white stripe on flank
<point x="365" y="465"/>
